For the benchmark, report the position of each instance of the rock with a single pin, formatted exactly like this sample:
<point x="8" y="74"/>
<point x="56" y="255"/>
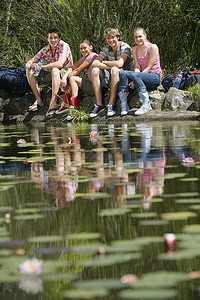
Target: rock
<point x="176" y="99"/>
<point x="156" y="99"/>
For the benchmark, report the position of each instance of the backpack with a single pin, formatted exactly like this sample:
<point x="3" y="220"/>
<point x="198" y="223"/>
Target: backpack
<point x="14" y="80"/>
<point x="189" y="79"/>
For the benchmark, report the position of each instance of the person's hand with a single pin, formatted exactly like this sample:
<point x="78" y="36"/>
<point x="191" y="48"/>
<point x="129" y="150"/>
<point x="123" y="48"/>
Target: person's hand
<point x="63" y="85"/>
<point x="31" y="66"/>
<point x="131" y="85"/>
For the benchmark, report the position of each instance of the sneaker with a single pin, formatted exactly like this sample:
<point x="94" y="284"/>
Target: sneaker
<point x="62" y="109"/>
<point x="125" y="108"/>
<point x="111" y="110"/>
<point x="97" y="110"/>
<point x="143" y="109"/>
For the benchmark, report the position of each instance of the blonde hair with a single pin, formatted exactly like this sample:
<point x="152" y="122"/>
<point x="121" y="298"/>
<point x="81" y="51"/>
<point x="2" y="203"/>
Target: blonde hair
<point x="111" y="32"/>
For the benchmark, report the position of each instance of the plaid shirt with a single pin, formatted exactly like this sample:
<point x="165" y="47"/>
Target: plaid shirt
<point x="62" y="49"/>
<point x="123" y="49"/>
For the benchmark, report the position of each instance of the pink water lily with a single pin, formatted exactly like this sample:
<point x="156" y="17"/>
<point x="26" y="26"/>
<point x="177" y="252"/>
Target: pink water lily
<point x="21" y="141"/>
<point x="129" y="278"/>
<point x="169" y="239"/>
<point x="31" y="266"/>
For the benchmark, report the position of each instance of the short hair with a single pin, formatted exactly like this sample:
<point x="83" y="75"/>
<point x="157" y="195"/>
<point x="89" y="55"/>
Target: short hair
<point x="111" y="32"/>
<point x="54" y="30"/>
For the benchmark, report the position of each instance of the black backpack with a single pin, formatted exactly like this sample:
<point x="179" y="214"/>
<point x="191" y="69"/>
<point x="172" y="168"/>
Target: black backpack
<point x="14" y="80"/>
<point x="189" y="78"/>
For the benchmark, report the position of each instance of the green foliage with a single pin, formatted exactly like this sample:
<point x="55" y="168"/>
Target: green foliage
<point x="172" y="25"/>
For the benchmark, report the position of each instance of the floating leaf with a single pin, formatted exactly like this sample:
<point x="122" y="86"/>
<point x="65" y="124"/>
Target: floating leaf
<point x="59" y="277"/>
<point x="108" y="260"/>
<point x="190" y="194"/>
<point x="28" y="217"/>
<point x="144" y="215"/>
<point x="83" y="236"/>
<point x="86" y="248"/>
<point x="174" y="175"/>
<point x="187" y="201"/>
<point x="113" y="212"/>
<point x="183" y="215"/>
<point x="148" y="294"/>
<point x="190" y="179"/>
<point x="27" y="210"/>
<point x="160" y="280"/>
<point x="180" y="254"/>
<point x="195" y="207"/>
<point x="193" y="228"/>
<point x="45" y="239"/>
<point x="84" y="294"/>
<point x="153" y="222"/>
<point x="100" y="284"/>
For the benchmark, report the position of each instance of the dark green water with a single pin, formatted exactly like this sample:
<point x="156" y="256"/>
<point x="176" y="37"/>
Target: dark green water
<point x="93" y="203"/>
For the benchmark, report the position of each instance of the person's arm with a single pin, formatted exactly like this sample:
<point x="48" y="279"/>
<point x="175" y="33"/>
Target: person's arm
<point x="116" y="63"/>
<point x="137" y="66"/>
<point x="57" y="64"/>
<point x="31" y="64"/>
<point x="99" y="63"/>
<point x="152" y="58"/>
<point x="79" y="68"/>
<point x="63" y="82"/>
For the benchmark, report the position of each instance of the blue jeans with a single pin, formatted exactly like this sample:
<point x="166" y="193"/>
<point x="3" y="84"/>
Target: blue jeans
<point x="142" y="81"/>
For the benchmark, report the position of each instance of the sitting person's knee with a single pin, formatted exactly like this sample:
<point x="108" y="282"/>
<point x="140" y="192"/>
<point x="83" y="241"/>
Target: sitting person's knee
<point x="55" y="71"/>
<point x="115" y="71"/>
<point x="95" y="72"/>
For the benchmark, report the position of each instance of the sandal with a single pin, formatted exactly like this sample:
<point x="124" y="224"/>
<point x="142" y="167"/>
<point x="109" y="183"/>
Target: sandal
<point x="35" y="106"/>
<point x="51" y="112"/>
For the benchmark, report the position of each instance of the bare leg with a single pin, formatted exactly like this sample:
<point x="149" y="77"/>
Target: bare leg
<point x="55" y="73"/>
<point x="114" y="84"/>
<point x="75" y="82"/>
<point x="96" y="75"/>
<point x="35" y="89"/>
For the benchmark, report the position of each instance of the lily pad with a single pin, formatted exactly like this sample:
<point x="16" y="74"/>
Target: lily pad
<point x="161" y="280"/>
<point x="108" y="260"/>
<point x="83" y="236"/>
<point x="84" y="294"/>
<point x="153" y="294"/>
<point x="114" y="212"/>
<point x="193" y="228"/>
<point x="100" y="284"/>
<point x="144" y="215"/>
<point x="183" y="215"/>
<point x="45" y="239"/>
<point x="59" y="277"/>
<point x="187" y="201"/>
<point x="29" y="217"/>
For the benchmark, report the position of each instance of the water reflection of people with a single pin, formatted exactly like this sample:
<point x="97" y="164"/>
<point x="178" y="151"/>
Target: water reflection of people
<point x="63" y="181"/>
<point x="150" y="181"/>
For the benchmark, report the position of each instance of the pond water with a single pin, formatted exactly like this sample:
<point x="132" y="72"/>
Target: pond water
<point x="84" y="209"/>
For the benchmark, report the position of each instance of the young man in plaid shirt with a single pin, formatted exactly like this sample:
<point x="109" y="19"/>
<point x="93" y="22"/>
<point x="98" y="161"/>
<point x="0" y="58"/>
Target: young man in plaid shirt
<point x="59" y="58"/>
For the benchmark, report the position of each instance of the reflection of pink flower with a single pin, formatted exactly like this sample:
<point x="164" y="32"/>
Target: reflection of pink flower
<point x="93" y="133"/>
<point x="129" y="278"/>
<point x="31" y="266"/>
<point x="21" y="141"/>
<point x="188" y="162"/>
<point x="31" y="286"/>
